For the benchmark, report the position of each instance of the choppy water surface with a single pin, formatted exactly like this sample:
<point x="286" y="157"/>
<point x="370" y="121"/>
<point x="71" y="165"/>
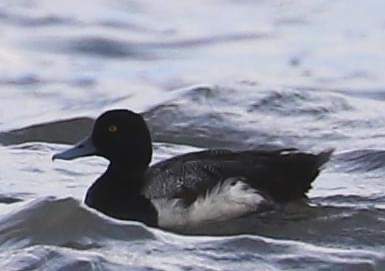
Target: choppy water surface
<point x="217" y="73"/>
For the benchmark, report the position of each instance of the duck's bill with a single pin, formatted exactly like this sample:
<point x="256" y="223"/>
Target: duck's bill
<point x="84" y="148"/>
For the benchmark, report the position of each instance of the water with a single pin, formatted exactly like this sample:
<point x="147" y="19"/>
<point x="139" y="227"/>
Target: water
<point x="218" y="73"/>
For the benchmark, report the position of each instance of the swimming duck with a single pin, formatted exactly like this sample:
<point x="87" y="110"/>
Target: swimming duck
<point x="191" y="189"/>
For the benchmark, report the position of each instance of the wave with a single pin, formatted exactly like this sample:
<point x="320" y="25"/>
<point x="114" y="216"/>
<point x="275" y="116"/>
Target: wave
<point x="62" y="131"/>
<point x="220" y="121"/>
<point x="26" y="20"/>
<point x="305" y="256"/>
<point x="301" y="102"/>
<point x="363" y="160"/>
<point x="39" y="222"/>
<point x="62" y="234"/>
<point x="337" y="226"/>
<point x="63" y="222"/>
<point x="59" y="258"/>
<point x="112" y="47"/>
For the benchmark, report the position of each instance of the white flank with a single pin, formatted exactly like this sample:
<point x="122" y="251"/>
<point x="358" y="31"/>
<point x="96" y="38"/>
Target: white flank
<point x="229" y="199"/>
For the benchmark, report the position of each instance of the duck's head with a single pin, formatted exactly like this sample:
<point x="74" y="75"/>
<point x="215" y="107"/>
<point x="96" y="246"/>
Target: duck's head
<point x="120" y="136"/>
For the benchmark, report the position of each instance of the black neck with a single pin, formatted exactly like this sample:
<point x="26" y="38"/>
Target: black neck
<point x="117" y="193"/>
<point x="127" y="177"/>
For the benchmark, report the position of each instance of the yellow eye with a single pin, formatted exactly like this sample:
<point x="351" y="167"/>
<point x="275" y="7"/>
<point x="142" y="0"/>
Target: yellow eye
<point x="112" y="128"/>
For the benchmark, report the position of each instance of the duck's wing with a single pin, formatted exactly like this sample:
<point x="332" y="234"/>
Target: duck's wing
<point x="283" y="175"/>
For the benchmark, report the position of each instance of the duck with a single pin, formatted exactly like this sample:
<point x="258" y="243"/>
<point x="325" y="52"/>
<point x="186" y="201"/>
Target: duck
<point x="191" y="189"/>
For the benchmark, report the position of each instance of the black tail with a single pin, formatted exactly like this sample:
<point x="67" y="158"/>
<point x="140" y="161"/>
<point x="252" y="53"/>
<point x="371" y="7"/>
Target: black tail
<point x="309" y="171"/>
<point x="324" y="157"/>
<point x="296" y="173"/>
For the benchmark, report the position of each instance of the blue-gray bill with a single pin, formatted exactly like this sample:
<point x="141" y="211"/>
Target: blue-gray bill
<point x="82" y="149"/>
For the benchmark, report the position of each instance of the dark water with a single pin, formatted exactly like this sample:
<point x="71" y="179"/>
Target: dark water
<point x="217" y="73"/>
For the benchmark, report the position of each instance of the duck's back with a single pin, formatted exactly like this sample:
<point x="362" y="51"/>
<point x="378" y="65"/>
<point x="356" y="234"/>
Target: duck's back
<point x="283" y="175"/>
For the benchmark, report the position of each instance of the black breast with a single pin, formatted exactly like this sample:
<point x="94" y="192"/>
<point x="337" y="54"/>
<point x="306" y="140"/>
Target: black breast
<point x="121" y="200"/>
